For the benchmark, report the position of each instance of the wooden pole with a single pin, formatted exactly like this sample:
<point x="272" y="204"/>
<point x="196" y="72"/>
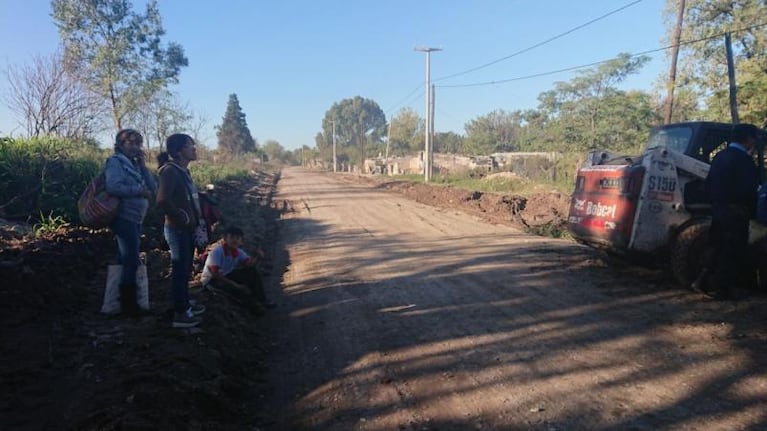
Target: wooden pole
<point x="731" y="76"/>
<point x="671" y="83"/>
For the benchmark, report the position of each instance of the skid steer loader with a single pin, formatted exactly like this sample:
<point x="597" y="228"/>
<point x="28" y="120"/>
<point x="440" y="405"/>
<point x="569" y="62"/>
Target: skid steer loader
<point x="654" y="204"/>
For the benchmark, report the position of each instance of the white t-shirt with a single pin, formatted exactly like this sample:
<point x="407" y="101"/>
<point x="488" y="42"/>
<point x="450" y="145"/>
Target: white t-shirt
<point x="222" y="260"/>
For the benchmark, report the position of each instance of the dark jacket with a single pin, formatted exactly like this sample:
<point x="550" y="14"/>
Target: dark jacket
<point x="733" y="180"/>
<point x="174" y="198"/>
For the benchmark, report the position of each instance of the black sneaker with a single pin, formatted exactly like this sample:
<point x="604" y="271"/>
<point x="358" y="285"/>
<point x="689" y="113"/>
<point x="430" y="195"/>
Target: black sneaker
<point x="196" y="308"/>
<point x="185" y="320"/>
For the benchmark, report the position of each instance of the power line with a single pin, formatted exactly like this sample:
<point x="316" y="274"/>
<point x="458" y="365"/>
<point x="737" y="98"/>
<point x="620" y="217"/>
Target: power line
<point x="404" y="99"/>
<point x="596" y="63"/>
<point x="539" y="44"/>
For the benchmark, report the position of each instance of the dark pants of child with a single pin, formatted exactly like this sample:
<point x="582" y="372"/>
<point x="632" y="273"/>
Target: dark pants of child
<point x="250" y="277"/>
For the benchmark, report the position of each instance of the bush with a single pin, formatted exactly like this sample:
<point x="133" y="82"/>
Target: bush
<point x="209" y="173"/>
<point x="45" y="176"/>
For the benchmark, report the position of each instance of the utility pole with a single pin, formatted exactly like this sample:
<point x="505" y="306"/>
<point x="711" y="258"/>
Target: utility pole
<point x="335" y="160"/>
<point x="731" y="76"/>
<point x="427" y="123"/>
<point x="388" y="140"/>
<point x="674" y="56"/>
<point x="431" y="134"/>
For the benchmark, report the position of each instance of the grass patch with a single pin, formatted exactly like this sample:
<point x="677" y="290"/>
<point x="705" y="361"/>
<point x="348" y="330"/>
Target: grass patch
<point x="503" y="184"/>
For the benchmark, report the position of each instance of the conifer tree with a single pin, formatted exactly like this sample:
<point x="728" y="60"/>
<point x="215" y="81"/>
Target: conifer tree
<point x="233" y="134"/>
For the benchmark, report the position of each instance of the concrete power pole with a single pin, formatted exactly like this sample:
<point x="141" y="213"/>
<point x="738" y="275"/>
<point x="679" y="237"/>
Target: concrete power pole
<point x="427" y="133"/>
<point x="388" y="140"/>
<point x="335" y="160"/>
<point x="431" y="134"/>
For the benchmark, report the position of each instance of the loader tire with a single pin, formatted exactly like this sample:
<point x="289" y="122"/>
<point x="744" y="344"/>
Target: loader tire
<point x="688" y="251"/>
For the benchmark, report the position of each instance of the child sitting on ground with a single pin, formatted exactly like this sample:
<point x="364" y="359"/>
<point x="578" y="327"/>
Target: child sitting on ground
<point x="227" y="265"/>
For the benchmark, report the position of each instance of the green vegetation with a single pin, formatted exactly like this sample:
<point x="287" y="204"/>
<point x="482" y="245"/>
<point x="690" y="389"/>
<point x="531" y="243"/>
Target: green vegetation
<point x="360" y="125"/>
<point x="204" y="172"/>
<point x="702" y="84"/>
<point x="48" y="224"/>
<point x="501" y="184"/>
<point x="116" y="52"/>
<point x="42" y="178"/>
<point x="233" y="134"/>
<point x="45" y="176"/>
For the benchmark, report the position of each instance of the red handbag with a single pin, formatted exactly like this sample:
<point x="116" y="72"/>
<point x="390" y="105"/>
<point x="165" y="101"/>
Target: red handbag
<point x="97" y="208"/>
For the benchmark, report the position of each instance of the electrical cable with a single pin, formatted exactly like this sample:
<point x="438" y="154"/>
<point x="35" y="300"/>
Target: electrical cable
<point x="404" y="99"/>
<point x="539" y="44"/>
<point x="596" y="63"/>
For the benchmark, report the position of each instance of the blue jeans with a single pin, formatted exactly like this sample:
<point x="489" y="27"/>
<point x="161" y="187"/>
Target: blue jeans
<point x="128" y="235"/>
<point x="181" y="255"/>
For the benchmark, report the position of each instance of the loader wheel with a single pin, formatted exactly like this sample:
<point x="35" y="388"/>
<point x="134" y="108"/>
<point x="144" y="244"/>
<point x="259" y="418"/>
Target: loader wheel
<point x="688" y="251"/>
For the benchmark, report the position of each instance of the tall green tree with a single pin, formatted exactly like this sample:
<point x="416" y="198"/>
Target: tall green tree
<point x="407" y="133"/>
<point x="360" y="125"/>
<point x="583" y="112"/>
<point x="496" y="131"/>
<point x="118" y="53"/>
<point x="233" y="134"/>
<point x="703" y="65"/>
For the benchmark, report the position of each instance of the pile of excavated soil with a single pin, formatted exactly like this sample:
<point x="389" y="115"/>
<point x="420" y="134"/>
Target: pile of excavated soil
<point x="541" y="213"/>
<point x="63" y="365"/>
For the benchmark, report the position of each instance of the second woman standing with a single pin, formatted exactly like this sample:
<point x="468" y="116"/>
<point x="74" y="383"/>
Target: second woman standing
<point x="177" y="197"/>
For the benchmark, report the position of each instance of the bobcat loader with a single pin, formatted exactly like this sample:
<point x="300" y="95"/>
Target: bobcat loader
<point x="654" y="204"/>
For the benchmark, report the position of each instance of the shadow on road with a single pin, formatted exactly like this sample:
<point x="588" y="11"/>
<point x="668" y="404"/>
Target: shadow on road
<point x="544" y="336"/>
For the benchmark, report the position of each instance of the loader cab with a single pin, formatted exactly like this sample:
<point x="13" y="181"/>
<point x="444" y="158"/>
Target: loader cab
<point x="701" y="141"/>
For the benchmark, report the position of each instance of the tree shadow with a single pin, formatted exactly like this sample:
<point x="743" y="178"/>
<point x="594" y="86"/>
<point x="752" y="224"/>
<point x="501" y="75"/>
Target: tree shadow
<point x="539" y="336"/>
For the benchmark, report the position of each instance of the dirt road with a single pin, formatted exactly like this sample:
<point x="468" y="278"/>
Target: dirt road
<point x="395" y="315"/>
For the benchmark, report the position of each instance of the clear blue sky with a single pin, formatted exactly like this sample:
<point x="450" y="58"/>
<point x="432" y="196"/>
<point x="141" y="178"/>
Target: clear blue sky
<point x="289" y="61"/>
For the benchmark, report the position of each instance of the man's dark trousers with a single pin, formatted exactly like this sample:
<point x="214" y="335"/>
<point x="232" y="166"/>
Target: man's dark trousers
<point x="729" y="230"/>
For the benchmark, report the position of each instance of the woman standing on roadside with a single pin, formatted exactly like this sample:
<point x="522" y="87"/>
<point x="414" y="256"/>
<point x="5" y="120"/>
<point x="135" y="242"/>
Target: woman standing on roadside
<point x="179" y="200"/>
<point x="128" y="178"/>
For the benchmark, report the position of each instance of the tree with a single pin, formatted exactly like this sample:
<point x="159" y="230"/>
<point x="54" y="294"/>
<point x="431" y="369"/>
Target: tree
<point x="116" y="52"/>
<point x="703" y="64"/>
<point x="407" y="133"/>
<point x="359" y="123"/>
<point x="162" y="115"/>
<point x="492" y="132"/>
<point x="582" y="112"/>
<point x="49" y="101"/>
<point x="581" y="98"/>
<point x="449" y="142"/>
<point x="274" y="151"/>
<point x="233" y="134"/>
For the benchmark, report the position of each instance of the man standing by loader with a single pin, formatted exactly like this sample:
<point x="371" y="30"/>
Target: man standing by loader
<point x="732" y="184"/>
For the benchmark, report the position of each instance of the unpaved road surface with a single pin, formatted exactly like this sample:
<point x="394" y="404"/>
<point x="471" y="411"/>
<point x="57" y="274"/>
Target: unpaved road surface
<point x="396" y="315"/>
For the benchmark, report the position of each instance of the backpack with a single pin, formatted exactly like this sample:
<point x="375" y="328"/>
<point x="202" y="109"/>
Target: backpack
<point x="97" y="208"/>
<point x="210" y="212"/>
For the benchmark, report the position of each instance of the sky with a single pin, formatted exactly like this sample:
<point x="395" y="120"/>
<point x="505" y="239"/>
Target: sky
<point x="288" y="61"/>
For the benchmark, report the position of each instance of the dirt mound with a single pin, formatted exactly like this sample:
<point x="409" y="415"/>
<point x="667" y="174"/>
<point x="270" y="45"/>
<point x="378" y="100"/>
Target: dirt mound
<point x="540" y="213"/>
<point x="65" y="366"/>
